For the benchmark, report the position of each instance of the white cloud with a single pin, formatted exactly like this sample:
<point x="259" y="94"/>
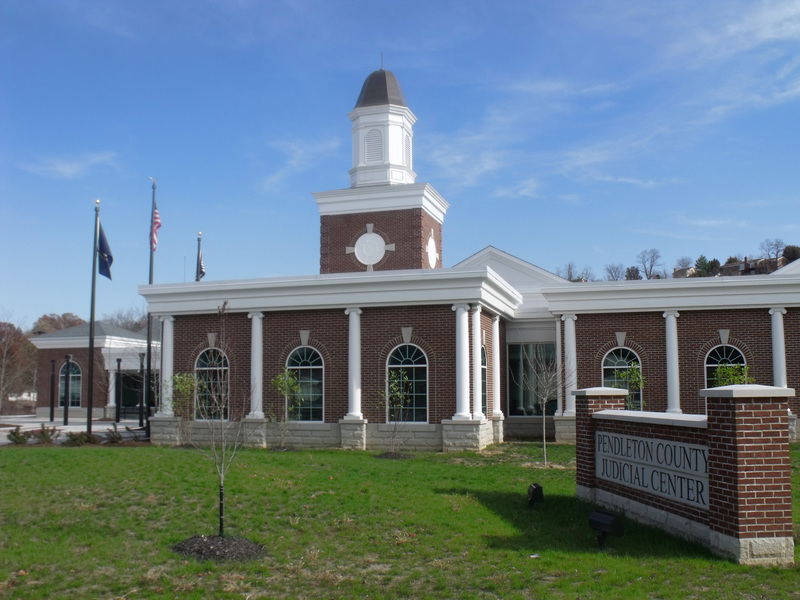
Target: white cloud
<point x="300" y="156"/>
<point x="649" y="183"/>
<point x="70" y="168"/>
<point x="528" y="188"/>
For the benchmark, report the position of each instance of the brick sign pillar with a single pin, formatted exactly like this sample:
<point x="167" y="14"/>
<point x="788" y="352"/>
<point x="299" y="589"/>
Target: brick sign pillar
<point x="750" y="500"/>
<point x="587" y="402"/>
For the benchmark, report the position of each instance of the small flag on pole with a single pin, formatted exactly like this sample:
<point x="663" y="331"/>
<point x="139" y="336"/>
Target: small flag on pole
<point x="105" y="258"/>
<point x="201" y="268"/>
<point x="156" y="226"/>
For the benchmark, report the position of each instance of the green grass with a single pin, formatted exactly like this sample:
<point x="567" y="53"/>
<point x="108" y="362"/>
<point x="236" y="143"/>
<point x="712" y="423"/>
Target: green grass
<point x="99" y="522"/>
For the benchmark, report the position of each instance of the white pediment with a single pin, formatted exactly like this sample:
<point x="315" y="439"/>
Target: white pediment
<point x="523" y="275"/>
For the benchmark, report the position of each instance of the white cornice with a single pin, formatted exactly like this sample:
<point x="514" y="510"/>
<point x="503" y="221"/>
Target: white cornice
<point x="341" y="290"/>
<point x="100" y="342"/>
<point x="380" y="198"/>
<point x="702" y="293"/>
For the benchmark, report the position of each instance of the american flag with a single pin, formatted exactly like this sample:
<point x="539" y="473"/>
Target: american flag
<point x="156" y="227"/>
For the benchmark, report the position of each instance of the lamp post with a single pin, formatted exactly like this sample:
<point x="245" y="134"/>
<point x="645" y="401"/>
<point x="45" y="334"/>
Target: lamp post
<point x="52" y="390"/>
<point x="141" y="387"/>
<point x="67" y="378"/>
<point x="118" y="388"/>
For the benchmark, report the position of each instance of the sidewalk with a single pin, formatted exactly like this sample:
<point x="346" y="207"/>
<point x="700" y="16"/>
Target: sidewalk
<point x="34" y="423"/>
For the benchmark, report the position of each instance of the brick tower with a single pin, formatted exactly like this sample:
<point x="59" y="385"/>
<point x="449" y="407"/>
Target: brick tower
<point x="384" y="220"/>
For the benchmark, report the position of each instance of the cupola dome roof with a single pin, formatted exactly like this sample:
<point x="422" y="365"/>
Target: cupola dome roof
<point x="381" y="88"/>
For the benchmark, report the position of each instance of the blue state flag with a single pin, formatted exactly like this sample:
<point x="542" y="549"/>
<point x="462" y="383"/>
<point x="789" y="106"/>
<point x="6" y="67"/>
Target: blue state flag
<point x="104" y="256"/>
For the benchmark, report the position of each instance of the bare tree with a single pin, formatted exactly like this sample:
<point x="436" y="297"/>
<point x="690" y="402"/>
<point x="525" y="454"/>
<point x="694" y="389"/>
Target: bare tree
<point x="649" y="261"/>
<point x="540" y="377"/>
<point x="568" y="271"/>
<point x="586" y="274"/>
<point x="17" y="361"/>
<point x="772" y="248"/>
<point x="211" y="427"/>
<point x="615" y="272"/>
<point x="684" y="262"/>
<point x="132" y="319"/>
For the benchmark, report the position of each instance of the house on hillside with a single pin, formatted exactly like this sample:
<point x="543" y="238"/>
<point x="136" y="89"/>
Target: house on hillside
<point x="470" y="344"/>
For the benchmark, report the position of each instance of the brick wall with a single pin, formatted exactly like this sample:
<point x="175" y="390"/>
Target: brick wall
<point x="698" y="332"/>
<point x="739" y="505"/>
<point x="433" y="330"/>
<point x="81" y="357"/>
<point x="407" y="229"/>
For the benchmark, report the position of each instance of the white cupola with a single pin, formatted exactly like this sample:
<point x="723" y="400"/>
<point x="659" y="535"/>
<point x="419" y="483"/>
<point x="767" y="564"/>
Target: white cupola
<point x="383" y="133"/>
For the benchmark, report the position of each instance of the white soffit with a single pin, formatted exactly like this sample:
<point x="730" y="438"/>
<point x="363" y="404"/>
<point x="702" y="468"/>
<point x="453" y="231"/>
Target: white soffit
<point x="702" y="293"/>
<point x="341" y="290"/>
<point x="379" y="198"/>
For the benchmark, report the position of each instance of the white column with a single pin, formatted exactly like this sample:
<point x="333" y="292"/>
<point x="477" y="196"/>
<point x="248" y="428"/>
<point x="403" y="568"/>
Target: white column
<point x="112" y="388"/>
<point x="462" y="363"/>
<point x="354" y="366"/>
<point x="560" y="371"/>
<point x="477" y="371"/>
<point x="673" y="374"/>
<point x="256" y="365"/>
<point x="496" y="400"/>
<point x="571" y="366"/>
<point x="167" y="365"/>
<point x="778" y="348"/>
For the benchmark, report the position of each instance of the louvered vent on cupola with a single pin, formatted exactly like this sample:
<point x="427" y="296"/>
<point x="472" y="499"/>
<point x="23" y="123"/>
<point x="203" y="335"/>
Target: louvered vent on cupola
<point x="374" y="147"/>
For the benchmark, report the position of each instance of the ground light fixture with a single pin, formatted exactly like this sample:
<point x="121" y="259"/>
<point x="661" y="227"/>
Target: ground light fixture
<point x="605" y="523"/>
<point x="535" y="494"/>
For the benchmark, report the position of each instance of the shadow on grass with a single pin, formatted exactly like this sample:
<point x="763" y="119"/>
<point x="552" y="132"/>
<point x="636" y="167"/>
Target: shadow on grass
<point x="561" y="524"/>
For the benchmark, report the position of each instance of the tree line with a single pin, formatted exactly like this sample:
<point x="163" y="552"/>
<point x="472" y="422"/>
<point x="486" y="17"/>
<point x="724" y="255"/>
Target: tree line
<point x="650" y="265"/>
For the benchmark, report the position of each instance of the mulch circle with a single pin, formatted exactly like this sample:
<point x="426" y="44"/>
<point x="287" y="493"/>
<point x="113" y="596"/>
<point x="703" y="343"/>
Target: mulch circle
<point x="214" y="547"/>
<point x="394" y="456"/>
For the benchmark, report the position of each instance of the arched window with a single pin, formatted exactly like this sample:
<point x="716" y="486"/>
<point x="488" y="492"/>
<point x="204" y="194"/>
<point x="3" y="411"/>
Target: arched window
<point x="623" y="369"/>
<point x="74" y="384"/>
<point x="719" y="356"/>
<point x="308" y="404"/>
<point x="373" y="147"/>
<point x="407" y="385"/>
<point x="213" y="379"/>
<point x="484" y="380"/>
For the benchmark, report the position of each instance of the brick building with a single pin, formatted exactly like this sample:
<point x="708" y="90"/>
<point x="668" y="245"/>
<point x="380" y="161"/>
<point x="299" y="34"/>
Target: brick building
<point x="472" y="346"/>
<point x="118" y="355"/>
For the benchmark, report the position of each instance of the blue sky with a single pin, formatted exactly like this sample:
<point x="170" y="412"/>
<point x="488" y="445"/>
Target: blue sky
<point x="557" y="131"/>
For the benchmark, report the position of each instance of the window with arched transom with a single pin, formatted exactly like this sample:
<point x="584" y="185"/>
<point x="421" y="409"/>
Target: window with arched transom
<point x="723" y="355"/>
<point x="407" y="385"/>
<point x="623" y="369"/>
<point x="308" y="403"/>
<point x="212" y="398"/>
<point x="74" y="374"/>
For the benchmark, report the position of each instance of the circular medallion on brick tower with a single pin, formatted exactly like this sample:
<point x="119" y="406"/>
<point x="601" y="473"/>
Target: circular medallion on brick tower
<point x="370" y="248"/>
<point x="433" y="256"/>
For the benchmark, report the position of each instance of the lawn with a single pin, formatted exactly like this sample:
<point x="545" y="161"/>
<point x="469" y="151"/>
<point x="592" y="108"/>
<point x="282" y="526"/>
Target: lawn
<point x="100" y="522"/>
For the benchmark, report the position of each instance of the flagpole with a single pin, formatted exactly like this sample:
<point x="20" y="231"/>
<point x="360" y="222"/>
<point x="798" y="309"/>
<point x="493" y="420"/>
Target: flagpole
<point x="149" y="376"/>
<point x="200" y="271"/>
<point x="90" y="394"/>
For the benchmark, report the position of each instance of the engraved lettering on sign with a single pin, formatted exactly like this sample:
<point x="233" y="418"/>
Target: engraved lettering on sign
<point x="665" y="468"/>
